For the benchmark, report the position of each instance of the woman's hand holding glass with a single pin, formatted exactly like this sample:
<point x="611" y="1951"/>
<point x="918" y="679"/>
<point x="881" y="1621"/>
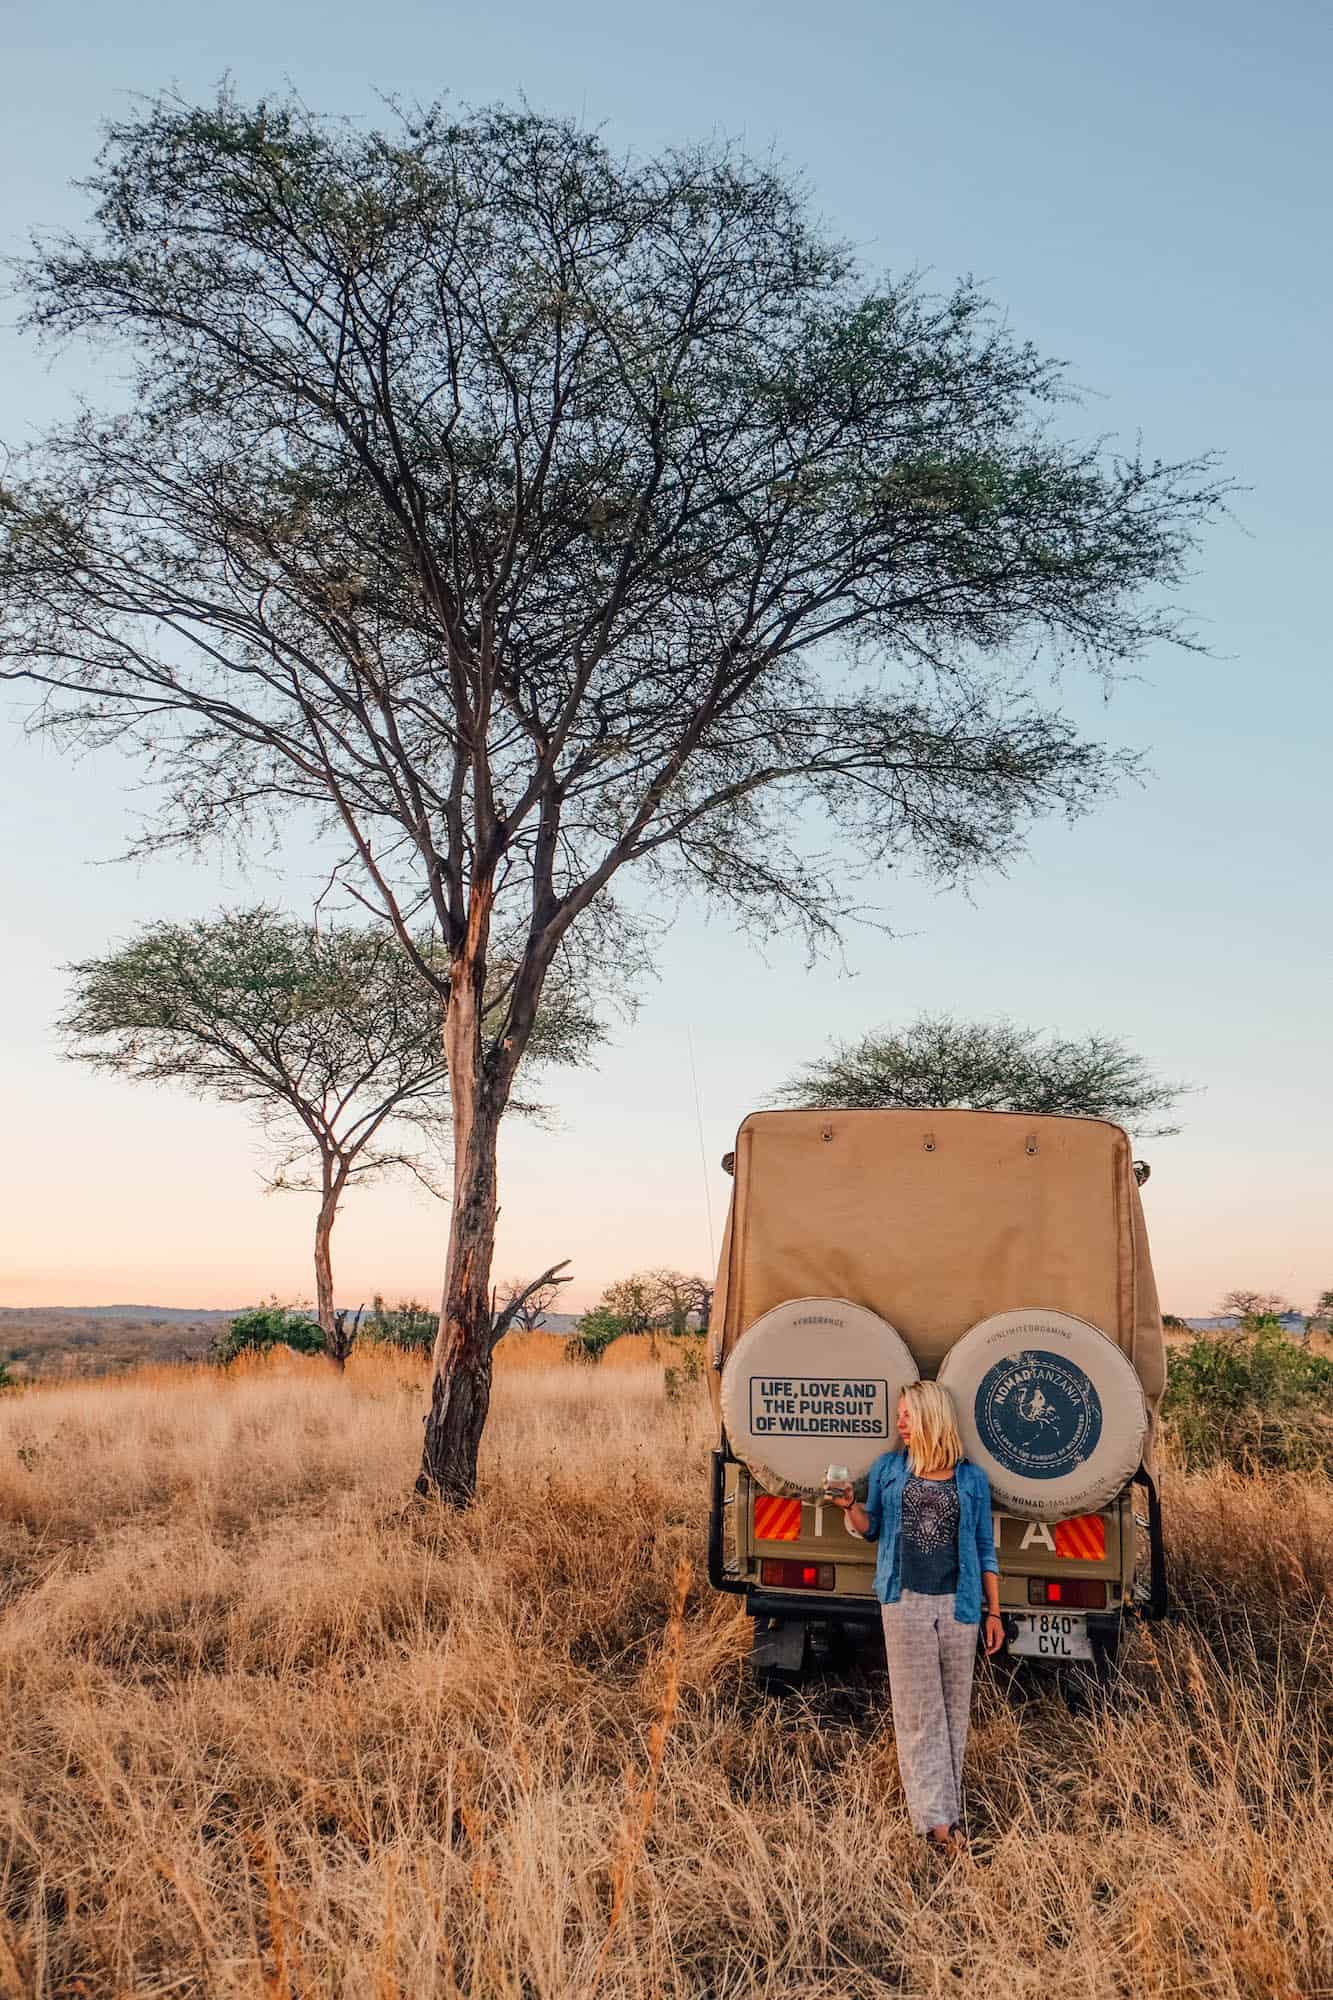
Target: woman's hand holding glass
<point x="839" y="1492"/>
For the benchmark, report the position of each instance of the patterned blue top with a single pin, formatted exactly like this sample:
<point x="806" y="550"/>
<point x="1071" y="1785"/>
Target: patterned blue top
<point x="976" y="1542"/>
<point x="931" y="1517"/>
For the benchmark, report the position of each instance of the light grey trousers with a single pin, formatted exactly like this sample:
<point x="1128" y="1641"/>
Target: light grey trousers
<point x="931" y="1658"/>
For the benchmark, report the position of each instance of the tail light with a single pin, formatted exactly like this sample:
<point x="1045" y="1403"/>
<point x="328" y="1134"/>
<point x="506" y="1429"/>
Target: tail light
<point x="1079" y="1593"/>
<point x="779" y="1575"/>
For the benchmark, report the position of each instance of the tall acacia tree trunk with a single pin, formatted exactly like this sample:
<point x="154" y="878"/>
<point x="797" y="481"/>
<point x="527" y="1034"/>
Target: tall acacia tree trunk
<point x="461" y="1389"/>
<point x="328" y="1209"/>
<point x="479" y="1082"/>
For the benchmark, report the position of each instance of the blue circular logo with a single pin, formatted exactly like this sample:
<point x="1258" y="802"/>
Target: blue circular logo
<point x="1038" y="1415"/>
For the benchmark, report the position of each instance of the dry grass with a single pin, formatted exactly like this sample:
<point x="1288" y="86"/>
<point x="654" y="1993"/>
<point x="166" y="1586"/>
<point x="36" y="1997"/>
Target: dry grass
<point x="269" y="1734"/>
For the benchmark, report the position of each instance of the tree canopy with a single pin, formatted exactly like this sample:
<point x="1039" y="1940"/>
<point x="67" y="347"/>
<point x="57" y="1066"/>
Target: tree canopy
<point x="529" y="516"/>
<point x="937" y="1062"/>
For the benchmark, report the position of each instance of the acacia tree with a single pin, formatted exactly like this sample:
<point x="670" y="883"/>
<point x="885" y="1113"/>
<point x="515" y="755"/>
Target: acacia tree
<point x="1253" y="1307"/>
<point x="646" y="1302"/>
<point x="326" y="1034"/>
<point x="676" y="1295"/>
<point x="633" y="1302"/>
<point x="530" y="516"/>
<point x="527" y="1301"/>
<point x="938" y="1062"/>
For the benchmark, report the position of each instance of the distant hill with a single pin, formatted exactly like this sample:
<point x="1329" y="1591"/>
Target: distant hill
<point x="152" y="1314"/>
<point x="38" y="1342"/>
<point x="41" y="1341"/>
<point x="1225" y="1322"/>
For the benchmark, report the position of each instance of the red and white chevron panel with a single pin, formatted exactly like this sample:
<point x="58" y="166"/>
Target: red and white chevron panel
<point x="775" y="1519"/>
<point x="1084" y="1537"/>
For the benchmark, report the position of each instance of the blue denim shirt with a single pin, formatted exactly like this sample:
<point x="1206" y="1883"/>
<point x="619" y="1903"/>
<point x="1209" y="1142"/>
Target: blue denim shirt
<point x="976" y="1540"/>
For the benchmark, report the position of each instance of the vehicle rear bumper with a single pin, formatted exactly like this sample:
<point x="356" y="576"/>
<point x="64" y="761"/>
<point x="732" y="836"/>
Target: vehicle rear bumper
<point x="811" y="1608"/>
<point x="814" y="1606"/>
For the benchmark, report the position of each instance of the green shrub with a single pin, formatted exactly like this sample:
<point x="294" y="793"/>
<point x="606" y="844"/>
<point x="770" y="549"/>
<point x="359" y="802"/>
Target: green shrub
<point x="1250" y="1398"/>
<point x="271" y="1325"/>
<point x="676" y="1380"/>
<point x="409" y="1325"/>
<point x="589" y="1339"/>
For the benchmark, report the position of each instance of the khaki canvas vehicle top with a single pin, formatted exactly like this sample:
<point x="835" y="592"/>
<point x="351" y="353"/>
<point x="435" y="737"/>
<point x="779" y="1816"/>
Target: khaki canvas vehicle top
<point x="937" y="1219"/>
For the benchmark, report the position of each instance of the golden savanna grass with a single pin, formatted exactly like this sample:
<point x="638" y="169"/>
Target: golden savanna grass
<point x="269" y="1732"/>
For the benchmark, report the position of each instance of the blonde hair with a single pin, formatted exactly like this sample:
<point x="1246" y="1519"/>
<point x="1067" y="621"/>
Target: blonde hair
<point x="934" y="1442"/>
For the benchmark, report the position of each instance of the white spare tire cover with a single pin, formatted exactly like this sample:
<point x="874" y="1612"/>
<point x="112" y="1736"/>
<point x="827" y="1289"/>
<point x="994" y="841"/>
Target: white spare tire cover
<point x="814" y="1382"/>
<point x="1050" y="1409"/>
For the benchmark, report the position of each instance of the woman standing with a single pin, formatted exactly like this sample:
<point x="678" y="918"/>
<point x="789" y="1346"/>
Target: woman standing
<point x="929" y="1509"/>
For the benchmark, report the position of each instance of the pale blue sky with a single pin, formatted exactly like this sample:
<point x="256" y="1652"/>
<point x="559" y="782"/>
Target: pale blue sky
<point x="1144" y="190"/>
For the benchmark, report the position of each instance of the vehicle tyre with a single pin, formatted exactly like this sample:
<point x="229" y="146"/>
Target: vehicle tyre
<point x="780" y="1654"/>
<point x="1050" y="1409"/>
<point x="1088" y="1689"/>
<point x="843" y="1366"/>
<point x="778" y="1681"/>
<point x="832" y="1647"/>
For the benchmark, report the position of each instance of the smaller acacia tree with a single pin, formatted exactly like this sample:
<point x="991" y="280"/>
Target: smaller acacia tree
<point x="938" y="1063"/>
<point x="327" y="1034"/>
<point x="1254" y="1309"/>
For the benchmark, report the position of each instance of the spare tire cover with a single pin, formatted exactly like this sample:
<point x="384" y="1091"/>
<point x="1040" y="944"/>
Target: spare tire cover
<point x="814" y="1382"/>
<point x="1049" y="1408"/>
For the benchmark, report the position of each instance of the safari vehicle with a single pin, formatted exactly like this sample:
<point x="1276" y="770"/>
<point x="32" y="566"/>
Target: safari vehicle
<point x="1004" y="1255"/>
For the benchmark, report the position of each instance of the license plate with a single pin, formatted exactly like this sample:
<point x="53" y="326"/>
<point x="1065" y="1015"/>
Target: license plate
<point x="1051" y="1635"/>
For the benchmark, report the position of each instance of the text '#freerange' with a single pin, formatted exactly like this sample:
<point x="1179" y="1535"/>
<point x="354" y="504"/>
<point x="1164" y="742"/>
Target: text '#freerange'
<point x="818" y="1406"/>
